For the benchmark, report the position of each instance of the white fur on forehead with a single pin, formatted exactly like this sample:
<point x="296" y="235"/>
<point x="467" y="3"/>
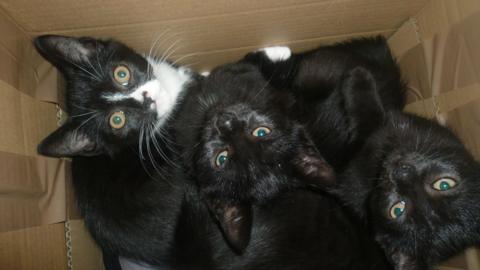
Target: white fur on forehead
<point x="164" y="88"/>
<point x="71" y="48"/>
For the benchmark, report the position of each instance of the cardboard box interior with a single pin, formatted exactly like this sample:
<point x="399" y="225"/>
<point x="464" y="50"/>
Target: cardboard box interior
<point x="435" y="41"/>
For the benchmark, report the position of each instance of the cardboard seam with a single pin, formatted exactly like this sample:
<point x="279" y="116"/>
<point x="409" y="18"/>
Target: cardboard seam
<point x="9" y="53"/>
<point x="5" y="13"/>
<point x="414" y="22"/>
<point x="68" y="244"/>
<point x="13" y="21"/>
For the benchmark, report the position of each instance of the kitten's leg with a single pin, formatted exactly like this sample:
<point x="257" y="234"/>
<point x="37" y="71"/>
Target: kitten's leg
<point x="277" y="64"/>
<point x="362" y="102"/>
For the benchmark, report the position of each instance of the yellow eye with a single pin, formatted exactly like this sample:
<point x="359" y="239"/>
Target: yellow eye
<point x="444" y="184"/>
<point x="221" y="158"/>
<point x="397" y="209"/>
<point x="117" y="120"/>
<point x="122" y="75"/>
<point x="261" y="132"/>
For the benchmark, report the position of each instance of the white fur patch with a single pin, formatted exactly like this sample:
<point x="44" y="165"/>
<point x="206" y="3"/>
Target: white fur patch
<point x="205" y="73"/>
<point x="277" y="53"/>
<point x="164" y="89"/>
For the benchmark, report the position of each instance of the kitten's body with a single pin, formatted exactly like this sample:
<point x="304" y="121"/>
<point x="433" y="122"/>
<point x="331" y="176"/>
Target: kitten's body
<point x="337" y="121"/>
<point x="263" y="173"/>
<point x="398" y="157"/>
<point x="156" y="216"/>
<point x="402" y="161"/>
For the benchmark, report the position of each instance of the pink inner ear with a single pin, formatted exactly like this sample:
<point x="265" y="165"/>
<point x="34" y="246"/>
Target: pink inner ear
<point x="315" y="170"/>
<point x="236" y="224"/>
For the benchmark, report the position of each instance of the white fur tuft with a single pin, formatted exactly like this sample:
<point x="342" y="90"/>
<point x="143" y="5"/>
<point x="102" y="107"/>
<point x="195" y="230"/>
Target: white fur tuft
<point x="164" y="88"/>
<point x="277" y="53"/>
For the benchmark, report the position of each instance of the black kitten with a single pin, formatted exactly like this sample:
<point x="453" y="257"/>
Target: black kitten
<point x="409" y="178"/>
<point x="418" y="188"/>
<point x="245" y="150"/>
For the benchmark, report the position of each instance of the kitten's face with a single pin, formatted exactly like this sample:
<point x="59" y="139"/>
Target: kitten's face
<point x="114" y="95"/>
<point x="250" y="150"/>
<point x="425" y="204"/>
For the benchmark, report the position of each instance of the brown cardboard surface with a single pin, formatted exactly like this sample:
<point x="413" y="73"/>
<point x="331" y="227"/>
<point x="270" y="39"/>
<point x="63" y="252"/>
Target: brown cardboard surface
<point x="438" y="15"/>
<point x="32" y="191"/>
<point x="211" y="26"/>
<point x="83" y="252"/>
<point x="435" y="43"/>
<point x="26" y="120"/>
<point x="38" y="248"/>
<point x="9" y="68"/>
<point x="57" y="15"/>
<point x="12" y="36"/>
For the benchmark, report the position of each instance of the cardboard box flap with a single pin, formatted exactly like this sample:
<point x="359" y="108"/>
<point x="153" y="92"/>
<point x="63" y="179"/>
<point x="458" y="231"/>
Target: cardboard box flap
<point x="58" y="15"/>
<point x="212" y="27"/>
<point x="32" y="188"/>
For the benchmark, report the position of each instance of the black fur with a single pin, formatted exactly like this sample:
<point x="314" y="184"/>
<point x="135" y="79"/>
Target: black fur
<point x="234" y="101"/>
<point x="162" y="220"/>
<point x="401" y="161"/>
<point x="383" y="155"/>
<point x="338" y="116"/>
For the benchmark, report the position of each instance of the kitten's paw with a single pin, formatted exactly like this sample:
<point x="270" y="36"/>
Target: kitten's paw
<point x="277" y="53"/>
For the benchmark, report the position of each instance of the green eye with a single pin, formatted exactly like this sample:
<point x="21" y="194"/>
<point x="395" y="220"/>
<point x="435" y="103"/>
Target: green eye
<point x="261" y="132"/>
<point x="121" y="74"/>
<point x="397" y="209"/>
<point x="444" y="184"/>
<point x="117" y="120"/>
<point x="221" y="158"/>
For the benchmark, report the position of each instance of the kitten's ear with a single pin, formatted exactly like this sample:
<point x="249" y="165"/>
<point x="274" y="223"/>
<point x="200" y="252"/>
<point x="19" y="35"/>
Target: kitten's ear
<point x="65" y="51"/>
<point x="311" y="166"/>
<point x="68" y="141"/>
<point x="235" y="220"/>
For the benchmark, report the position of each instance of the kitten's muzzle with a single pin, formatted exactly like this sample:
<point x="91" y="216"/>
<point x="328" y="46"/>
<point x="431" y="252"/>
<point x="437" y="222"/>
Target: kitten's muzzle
<point x="404" y="172"/>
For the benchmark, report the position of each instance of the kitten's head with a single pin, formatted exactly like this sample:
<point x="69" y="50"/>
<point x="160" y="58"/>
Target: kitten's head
<point x="114" y="95"/>
<point x="249" y="149"/>
<point x="425" y="203"/>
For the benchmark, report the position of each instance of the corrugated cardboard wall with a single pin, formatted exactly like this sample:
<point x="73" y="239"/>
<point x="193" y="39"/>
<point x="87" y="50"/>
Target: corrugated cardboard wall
<point x="438" y="50"/>
<point x="35" y="198"/>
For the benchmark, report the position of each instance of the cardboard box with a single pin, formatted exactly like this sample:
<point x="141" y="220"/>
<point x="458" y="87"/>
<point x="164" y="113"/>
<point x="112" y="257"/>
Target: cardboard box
<point x="435" y="41"/>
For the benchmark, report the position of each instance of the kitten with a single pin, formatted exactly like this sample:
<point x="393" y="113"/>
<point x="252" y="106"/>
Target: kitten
<point x="316" y="78"/>
<point x="158" y="217"/>
<point x="244" y="149"/>
<point x="417" y="186"/>
<point x="114" y="95"/>
<point x="252" y="128"/>
<point x="409" y="178"/>
<point x="120" y="106"/>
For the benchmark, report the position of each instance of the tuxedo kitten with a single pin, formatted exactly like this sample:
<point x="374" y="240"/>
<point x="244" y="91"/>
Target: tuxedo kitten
<point x="247" y="150"/>
<point x="120" y="107"/>
<point x="337" y="120"/>
<point x="417" y="186"/>
<point x="115" y="96"/>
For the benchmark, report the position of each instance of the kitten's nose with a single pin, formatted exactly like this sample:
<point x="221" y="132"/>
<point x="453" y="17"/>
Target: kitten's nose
<point x="403" y="172"/>
<point x="226" y="123"/>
